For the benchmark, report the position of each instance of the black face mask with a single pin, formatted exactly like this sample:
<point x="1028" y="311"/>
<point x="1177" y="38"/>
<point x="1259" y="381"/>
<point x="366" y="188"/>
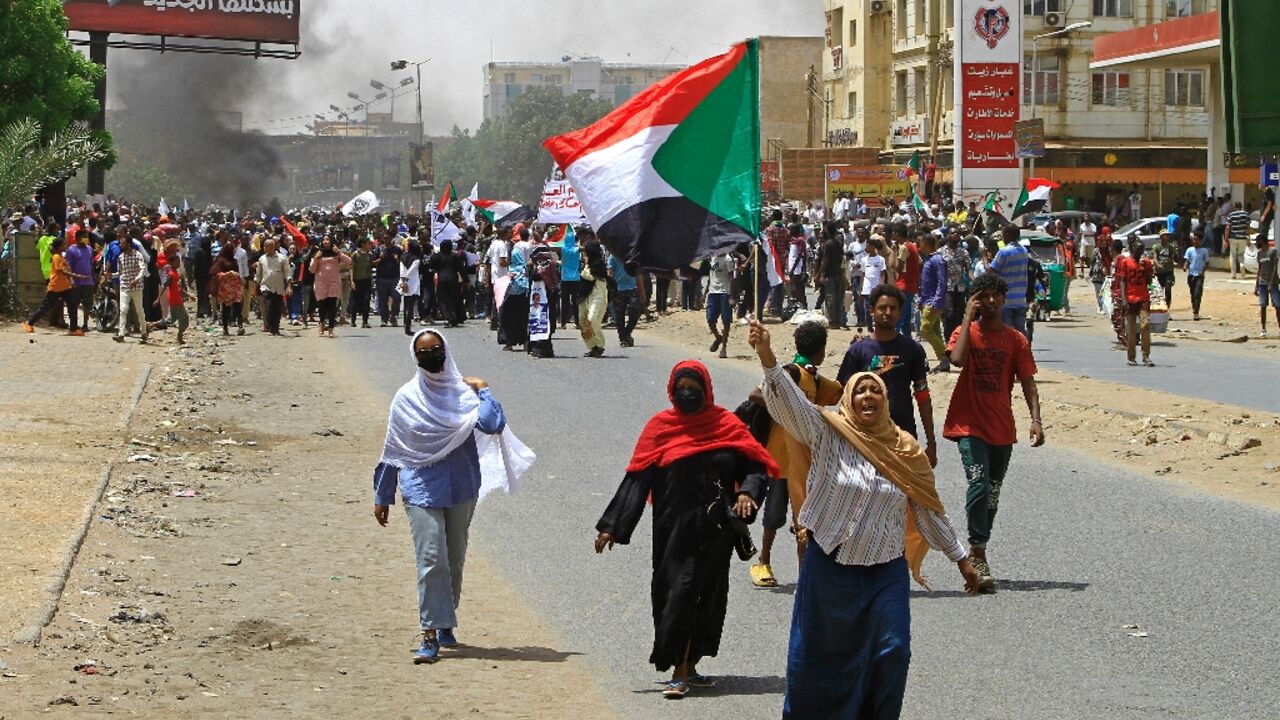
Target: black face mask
<point x="689" y="400"/>
<point x="432" y="360"/>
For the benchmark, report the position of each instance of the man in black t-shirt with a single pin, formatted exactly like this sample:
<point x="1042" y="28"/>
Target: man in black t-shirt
<point x="386" y="272"/>
<point x="831" y="276"/>
<point x="899" y="361"/>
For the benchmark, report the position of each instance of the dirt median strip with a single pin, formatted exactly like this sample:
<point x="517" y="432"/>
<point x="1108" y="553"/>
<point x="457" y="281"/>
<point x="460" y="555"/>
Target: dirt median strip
<point x="1212" y="447"/>
<point x="240" y="573"/>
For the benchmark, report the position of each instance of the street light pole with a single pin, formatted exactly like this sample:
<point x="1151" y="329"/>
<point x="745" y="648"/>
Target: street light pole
<point x="1035" y="68"/>
<point x="417" y="66"/>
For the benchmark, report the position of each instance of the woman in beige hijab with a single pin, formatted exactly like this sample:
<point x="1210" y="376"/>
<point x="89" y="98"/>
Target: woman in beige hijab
<point x="871" y="511"/>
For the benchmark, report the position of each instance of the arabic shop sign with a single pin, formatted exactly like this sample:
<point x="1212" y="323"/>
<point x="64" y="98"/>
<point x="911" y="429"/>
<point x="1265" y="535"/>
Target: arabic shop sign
<point x="1029" y="135"/>
<point x="909" y="132"/>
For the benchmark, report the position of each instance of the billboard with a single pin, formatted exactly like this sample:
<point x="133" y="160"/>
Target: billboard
<point x="988" y="75"/>
<point x="271" y="21"/>
<point x="1248" y="50"/>
<point x="870" y="182"/>
<point x="422" y="171"/>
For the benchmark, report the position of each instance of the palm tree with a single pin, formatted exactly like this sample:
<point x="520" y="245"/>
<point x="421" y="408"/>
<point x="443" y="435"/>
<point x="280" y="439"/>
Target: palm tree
<point x="27" y="163"/>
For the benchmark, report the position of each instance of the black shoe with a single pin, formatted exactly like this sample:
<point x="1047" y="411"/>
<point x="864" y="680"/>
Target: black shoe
<point x="715" y="345"/>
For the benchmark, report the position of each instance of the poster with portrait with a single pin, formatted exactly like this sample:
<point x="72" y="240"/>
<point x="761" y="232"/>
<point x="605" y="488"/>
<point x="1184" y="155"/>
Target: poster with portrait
<point x="539" y="312"/>
<point x="422" y="172"/>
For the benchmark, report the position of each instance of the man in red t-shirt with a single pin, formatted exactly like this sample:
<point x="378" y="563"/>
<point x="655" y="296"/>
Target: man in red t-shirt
<point x="1134" y="274"/>
<point x="907" y="279"/>
<point x="990" y="356"/>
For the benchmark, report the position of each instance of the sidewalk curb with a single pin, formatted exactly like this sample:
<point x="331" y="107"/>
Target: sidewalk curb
<point x="30" y="634"/>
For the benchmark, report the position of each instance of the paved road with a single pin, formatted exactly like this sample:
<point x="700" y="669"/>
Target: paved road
<point x="1183" y="367"/>
<point x="1087" y="549"/>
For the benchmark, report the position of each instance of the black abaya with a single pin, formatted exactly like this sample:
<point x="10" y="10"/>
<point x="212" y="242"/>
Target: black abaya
<point x="692" y="545"/>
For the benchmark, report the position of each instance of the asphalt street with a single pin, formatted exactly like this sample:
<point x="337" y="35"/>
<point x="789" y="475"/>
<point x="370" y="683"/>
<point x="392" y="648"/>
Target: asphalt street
<point x="1121" y="596"/>
<point x="1184" y="367"/>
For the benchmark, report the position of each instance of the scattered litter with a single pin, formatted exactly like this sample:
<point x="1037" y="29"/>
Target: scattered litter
<point x="142" y="457"/>
<point x="140" y="616"/>
<point x="143" y="443"/>
<point x="328" y="432"/>
<point x="64" y="700"/>
<point x="1129" y="627"/>
<point x="231" y="562"/>
<point x="184" y="493"/>
<point x="86" y="668"/>
<point x="1138" y="634"/>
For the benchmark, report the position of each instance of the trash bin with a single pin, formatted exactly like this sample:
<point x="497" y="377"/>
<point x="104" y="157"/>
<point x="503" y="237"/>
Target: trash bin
<point x="1057" y="285"/>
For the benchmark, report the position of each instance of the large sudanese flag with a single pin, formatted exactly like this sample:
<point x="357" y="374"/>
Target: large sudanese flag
<point x="673" y="175"/>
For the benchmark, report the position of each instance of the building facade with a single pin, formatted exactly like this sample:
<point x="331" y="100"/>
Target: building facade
<point x="1107" y="131"/>
<point x="590" y="76"/>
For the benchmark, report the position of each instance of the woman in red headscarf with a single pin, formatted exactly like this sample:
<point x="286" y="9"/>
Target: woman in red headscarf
<point x="705" y="475"/>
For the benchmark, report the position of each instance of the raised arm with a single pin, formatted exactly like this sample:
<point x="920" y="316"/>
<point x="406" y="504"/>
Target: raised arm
<point x="786" y="402"/>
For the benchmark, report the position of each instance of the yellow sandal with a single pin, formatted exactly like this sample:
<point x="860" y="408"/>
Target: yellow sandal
<point x="762" y="576"/>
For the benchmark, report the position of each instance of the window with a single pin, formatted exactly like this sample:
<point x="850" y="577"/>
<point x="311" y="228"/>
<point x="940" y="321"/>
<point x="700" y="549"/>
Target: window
<point x="1113" y="8"/>
<point x="1184" y="8"/>
<point x="1111" y="89"/>
<point x="1040" y="7"/>
<point x="536" y="79"/>
<point x="509" y="78"/>
<point x="1184" y="88"/>
<point x="920" y="95"/>
<point x="919" y="17"/>
<point x="853" y="32"/>
<point x="552" y="79"/>
<point x="900" y="19"/>
<point x="837" y="26"/>
<point x="1041" y="85"/>
<point x="851" y="110"/>
<point x="900" y="93"/>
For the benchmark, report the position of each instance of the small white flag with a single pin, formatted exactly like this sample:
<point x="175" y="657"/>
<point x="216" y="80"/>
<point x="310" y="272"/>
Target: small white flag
<point x="164" y="207"/>
<point x="362" y="204"/>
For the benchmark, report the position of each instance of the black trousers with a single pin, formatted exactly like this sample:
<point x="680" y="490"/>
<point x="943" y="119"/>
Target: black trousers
<point x="202" y="298"/>
<point x="1195" y="283"/>
<point x="569" y="302"/>
<point x="410" y="301"/>
<point x="272" y="308"/>
<point x="54" y="300"/>
<point x="328" y="312"/>
<point x="449" y="297"/>
<point x="81" y="298"/>
<point x="360" y="295"/>
<point x="388" y="299"/>
<point x="956" y="301"/>
<point x="626" y="312"/>
<point x="664" y="290"/>
<point x="230" y="311"/>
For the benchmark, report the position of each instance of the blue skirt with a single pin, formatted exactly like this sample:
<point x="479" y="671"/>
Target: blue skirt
<point x="850" y="640"/>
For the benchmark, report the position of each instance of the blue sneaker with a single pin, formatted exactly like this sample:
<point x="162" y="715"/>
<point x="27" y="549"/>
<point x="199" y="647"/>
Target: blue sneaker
<point x="447" y="638"/>
<point x="428" y="653"/>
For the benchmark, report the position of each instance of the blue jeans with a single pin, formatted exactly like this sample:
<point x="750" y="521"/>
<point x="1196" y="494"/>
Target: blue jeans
<point x="718" y="309"/>
<point x="1015" y="318"/>
<point x="906" y="323"/>
<point x="440" y="548"/>
<point x="850" y="639"/>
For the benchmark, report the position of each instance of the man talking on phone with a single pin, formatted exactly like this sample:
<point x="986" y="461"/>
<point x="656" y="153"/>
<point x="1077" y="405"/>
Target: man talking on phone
<point x="990" y="356"/>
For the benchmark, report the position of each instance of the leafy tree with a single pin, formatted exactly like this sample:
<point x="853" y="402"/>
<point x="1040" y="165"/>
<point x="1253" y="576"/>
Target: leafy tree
<point x="27" y="162"/>
<point x="505" y="155"/>
<point x="42" y="76"/>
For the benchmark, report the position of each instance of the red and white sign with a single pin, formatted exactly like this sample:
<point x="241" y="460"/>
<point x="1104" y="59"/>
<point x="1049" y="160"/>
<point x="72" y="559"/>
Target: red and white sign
<point x="909" y="132"/>
<point x="274" y="21"/>
<point x="989" y="78"/>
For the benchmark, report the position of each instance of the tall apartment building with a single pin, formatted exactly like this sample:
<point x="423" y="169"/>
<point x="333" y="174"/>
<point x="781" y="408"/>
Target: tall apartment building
<point x="1106" y="130"/>
<point x="591" y="76"/>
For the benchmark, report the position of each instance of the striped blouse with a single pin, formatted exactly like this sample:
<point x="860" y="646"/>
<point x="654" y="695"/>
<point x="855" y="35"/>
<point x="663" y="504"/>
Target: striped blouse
<point x="850" y="506"/>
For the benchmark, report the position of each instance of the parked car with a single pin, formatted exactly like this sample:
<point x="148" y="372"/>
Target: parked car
<point x="1148" y="229"/>
<point x="1073" y="218"/>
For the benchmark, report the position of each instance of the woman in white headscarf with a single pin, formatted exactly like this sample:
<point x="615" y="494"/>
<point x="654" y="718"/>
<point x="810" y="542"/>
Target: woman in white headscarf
<point x="447" y="446"/>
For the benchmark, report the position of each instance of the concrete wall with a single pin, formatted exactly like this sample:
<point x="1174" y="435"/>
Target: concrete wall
<point x="784" y="101"/>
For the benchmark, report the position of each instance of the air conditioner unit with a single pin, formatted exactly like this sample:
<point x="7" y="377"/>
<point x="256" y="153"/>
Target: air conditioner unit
<point x="1053" y="19"/>
<point x="879" y="6"/>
